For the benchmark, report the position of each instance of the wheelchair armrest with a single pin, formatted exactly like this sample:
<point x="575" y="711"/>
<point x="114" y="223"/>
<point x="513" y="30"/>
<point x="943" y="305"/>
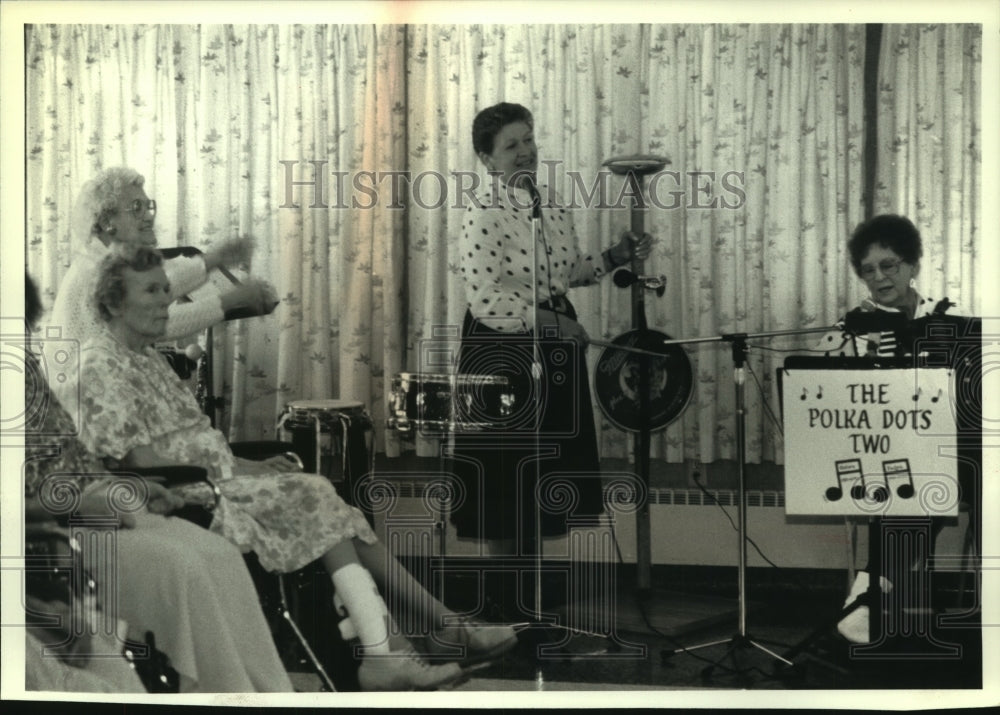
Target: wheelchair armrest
<point x="241" y="313"/>
<point x="51" y="558"/>
<point x="186" y="251"/>
<point x="176" y="475"/>
<point x="173" y="475"/>
<point x="262" y="449"/>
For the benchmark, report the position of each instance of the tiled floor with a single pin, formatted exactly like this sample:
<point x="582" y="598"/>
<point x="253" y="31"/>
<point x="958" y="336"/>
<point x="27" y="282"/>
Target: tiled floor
<point x="637" y="645"/>
<point x="640" y="653"/>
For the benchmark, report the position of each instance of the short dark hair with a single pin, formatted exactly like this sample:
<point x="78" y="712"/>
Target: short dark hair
<point x="32" y="302"/>
<point x="491" y="120"/>
<point x="897" y="233"/>
<point x="110" y="292"/>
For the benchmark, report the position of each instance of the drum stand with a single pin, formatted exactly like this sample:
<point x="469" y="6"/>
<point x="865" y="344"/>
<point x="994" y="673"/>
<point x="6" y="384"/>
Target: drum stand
<point x="742" y="640"/>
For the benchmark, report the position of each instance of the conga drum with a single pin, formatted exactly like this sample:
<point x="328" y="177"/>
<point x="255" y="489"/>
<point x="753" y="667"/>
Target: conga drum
<point x="347" y="425"/>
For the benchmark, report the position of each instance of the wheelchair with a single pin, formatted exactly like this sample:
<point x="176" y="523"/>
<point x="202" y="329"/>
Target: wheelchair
<point x="63" y="605"/>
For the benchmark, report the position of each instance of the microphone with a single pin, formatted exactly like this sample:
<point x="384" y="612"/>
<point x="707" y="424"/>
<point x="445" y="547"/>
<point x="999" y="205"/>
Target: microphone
<point x="941" y="307"/>
<point x="623" y="278"/>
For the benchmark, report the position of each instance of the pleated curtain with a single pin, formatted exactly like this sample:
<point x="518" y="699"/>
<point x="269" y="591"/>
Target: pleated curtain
<point x="293" y="134"/>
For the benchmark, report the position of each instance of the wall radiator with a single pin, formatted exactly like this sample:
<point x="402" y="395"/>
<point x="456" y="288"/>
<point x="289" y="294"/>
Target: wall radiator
<point x="688" y="528"/>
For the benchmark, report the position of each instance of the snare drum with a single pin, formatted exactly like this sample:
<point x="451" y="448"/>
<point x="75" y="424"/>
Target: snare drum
<point x="444" y="403"/>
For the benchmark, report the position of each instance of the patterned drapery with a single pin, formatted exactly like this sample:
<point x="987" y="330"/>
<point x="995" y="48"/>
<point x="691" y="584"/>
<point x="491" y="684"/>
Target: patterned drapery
<point x="762" y="125"/>
<point x="222" y="120"/>
<point x="930" y="155"/>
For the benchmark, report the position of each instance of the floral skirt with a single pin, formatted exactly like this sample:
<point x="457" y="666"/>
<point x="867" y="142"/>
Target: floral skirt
<point x="289" y="519"/>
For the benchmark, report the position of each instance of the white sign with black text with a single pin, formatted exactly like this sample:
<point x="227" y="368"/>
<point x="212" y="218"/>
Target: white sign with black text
<point x="870" y="442"/>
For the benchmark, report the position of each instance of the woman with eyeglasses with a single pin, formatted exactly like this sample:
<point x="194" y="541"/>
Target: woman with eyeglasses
<point x="113" y="209"/>
<point x="885" y="252"/>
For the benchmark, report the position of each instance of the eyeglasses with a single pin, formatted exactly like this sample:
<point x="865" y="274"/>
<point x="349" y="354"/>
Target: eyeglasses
<point x="139" y="207"/>
<point x="889" y="267"/>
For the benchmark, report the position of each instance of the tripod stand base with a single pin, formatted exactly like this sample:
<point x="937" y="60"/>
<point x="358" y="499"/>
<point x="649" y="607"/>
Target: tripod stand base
<point x="672" y="613"/>
<point x="736" y="642"/>
<point x="546" y="642"/>
<point x="737" y="645"/>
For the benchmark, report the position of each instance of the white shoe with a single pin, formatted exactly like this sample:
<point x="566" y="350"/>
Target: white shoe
<point x="470" y="641"/>
<point x="855" y="625"/>
<point x="404" y="670"/>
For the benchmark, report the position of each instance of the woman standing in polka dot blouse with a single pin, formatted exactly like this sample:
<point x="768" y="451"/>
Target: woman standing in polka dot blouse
<point x="542" y="457"/>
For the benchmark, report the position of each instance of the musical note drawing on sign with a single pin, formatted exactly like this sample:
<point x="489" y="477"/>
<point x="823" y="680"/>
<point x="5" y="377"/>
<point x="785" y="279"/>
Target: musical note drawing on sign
<point x="805" y="393"/>
<point x="879" y="493"/>
<point x="848" y="470"/>
<point x="899" y="469"/>
<point x="888" y="434"/>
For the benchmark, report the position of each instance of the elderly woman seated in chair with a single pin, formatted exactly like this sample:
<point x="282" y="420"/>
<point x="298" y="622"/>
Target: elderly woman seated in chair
<point x="113" y="210"/>
<point x="189" y="587"/>
<point x="134" y="410"/>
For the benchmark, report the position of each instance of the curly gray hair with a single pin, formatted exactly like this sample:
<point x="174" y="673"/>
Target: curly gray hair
<point x="98" y="199"/>
<point x="110" y="291"/>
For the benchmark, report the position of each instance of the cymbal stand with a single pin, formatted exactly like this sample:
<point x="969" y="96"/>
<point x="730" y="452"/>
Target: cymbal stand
<point x="634" y="168"/>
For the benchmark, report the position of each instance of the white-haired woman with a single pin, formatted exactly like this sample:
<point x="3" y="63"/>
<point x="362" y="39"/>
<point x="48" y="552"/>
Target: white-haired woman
<point x="135" y="411"/>
<point x="113" y="209"/>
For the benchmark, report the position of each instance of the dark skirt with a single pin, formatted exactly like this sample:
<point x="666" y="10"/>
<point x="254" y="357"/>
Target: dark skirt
<point x="539" y="458"/>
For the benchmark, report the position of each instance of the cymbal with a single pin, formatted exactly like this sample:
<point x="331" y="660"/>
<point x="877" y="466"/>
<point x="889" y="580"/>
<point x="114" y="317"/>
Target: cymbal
<point x="639" y="164"/>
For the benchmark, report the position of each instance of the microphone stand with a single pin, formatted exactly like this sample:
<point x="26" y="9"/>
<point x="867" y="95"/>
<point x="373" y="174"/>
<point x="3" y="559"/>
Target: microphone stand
<point x="738" y="344"/>
<point x="544" y="627"/>
<point x="537" y="375"/>
<point x="538" y="367"/>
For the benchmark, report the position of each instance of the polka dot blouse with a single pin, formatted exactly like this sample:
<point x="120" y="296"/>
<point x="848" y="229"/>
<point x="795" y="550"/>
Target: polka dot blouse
<point x="841" y="343"/>
<point x="504" y="273"/>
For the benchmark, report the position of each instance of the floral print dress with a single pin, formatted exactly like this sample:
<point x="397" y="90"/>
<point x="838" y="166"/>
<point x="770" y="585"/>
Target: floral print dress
<point x="198" y="601"/>
<point x="130" y="399"/>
